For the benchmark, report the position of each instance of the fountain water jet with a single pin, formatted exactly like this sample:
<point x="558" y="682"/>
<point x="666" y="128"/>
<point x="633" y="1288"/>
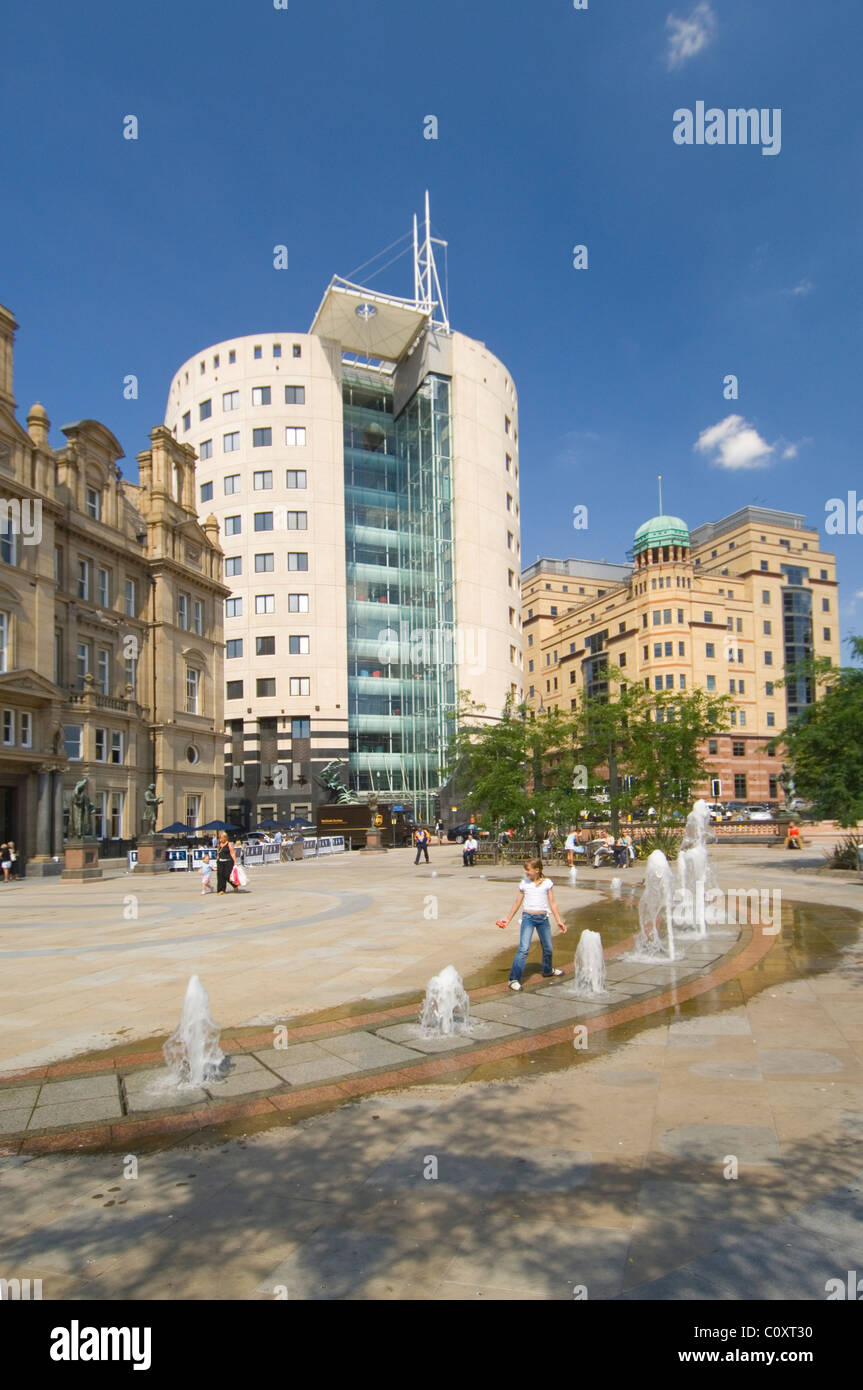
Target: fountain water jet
<point x="446" y="1007"/>
<point x="616" y="886"/>
<point x="192" y="1052"/>
<point x="589" y="965"/>
<point x="655" y="902"/>
<point x="695" y="875"/>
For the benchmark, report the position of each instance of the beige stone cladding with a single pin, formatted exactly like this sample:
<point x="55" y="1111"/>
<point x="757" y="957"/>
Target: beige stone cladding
<point x="487" y="520"/>
<point x="264" y="416"/>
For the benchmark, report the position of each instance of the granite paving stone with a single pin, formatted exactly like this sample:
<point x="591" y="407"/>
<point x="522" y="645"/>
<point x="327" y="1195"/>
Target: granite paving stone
<point x="797" y="1062"/>
<point x="483" y="1030"/>
<point x="709" y="1143"/>
<point x="75" y="1112"/>
<point x="482" y="1174"/>
<point x="278" y="1058"/>
<point x="16" y="1097"/>
<point x="324" y="1069"/>
<point x="543" y="1259"/>
<point x="81" y="1088"/>
<point x="153" y="1090"/>
<point x="14" y="1121"/>
<point x="367" y="1050"/>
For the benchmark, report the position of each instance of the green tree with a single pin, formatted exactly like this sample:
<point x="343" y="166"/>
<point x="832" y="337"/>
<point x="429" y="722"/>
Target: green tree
<point x="519" y="771"/>
<point x="824" y="741"/>
<point x="535" y="772"/>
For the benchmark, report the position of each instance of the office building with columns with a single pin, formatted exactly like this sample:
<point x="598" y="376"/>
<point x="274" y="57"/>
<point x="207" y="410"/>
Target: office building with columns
<point x="111" y="601"/>
<point x="365" y="478"/>
<point x="726" y="608"/>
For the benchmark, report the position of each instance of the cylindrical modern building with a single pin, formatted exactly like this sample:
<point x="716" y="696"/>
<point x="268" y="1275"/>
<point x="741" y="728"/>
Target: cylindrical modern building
<point x="365" y="480"/>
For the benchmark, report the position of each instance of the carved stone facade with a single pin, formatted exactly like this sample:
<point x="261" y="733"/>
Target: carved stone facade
<point x="111" y="604"/>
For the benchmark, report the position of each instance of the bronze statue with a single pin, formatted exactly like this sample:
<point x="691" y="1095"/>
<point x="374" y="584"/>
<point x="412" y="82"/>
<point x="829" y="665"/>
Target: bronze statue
<point x="81" y="812"/>
<point x="152" y="804"/>
<point x="786" y="782"/>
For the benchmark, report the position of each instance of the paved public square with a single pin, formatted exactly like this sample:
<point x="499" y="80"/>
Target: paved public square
<point x="695" y="1133"/>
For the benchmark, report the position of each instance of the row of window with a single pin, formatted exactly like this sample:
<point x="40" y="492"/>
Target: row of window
<point x="262" y="481"/>
<point x="298" y="645"/>
<point x="301" y="727"/>
<point x="295" y="438"/>
<point x="260" y="396"/>
<point x="265" y="521"/>
<point x="257" y="354"/>
<point x="95" y="584"/>
<point x="266" y="603"/>
<point x="265" y="688"/>
<point x="84" y="665"/>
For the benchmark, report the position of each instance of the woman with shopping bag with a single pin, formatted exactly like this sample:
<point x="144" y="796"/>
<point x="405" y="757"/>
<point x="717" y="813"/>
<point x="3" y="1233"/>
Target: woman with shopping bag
<point x="226" y="865"/>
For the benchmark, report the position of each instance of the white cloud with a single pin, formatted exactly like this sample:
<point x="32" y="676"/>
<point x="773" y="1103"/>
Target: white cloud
<point x="790" y="451"/>
<point x="691" y="35"/>
<point x="734" y="444"/>
<point x="803" y="287"/>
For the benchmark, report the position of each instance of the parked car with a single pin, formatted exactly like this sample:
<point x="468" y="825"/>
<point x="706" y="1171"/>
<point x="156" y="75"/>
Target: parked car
<point x="736" y="810"/>
<point x="758" y="813"/>
<point x="257" y="837"/>
<point x="718" y="812"/>
<point x="459" y="833"/>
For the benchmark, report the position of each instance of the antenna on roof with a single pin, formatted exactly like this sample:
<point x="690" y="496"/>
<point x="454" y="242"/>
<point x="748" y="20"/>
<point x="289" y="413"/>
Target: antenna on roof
<point x="660" y="494"/>
<point x="427" y="287"/>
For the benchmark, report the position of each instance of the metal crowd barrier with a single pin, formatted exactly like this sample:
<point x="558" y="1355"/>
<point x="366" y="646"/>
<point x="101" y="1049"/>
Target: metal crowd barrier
<point x="251" y="856"/>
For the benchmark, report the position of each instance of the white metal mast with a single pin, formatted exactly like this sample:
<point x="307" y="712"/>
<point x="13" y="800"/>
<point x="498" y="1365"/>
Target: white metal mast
<point x="427" y="287"/>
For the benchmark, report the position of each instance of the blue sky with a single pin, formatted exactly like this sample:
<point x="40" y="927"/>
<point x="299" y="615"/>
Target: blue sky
<point x="305" y="127"/>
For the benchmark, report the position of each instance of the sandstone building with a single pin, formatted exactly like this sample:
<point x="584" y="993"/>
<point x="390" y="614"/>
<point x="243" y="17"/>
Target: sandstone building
<point x="111" y="601"/>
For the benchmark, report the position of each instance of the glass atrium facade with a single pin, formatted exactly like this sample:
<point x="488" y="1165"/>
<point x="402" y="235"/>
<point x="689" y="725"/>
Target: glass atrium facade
<point x="402" y="657"/>
<point x="799" y="646"/>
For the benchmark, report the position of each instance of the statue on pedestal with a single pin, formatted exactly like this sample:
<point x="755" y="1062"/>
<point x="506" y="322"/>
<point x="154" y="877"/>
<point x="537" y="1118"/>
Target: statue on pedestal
<point x="152" y="802"/>
<point x="81" y="812"/>
<point x="786" y="782"/>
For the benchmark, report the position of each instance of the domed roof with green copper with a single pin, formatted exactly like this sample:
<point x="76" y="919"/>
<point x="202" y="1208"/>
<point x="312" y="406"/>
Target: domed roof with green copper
<point x="661" y="530"/>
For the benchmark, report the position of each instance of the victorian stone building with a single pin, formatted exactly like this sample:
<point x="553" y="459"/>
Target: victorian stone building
<point x="111" y="602"/>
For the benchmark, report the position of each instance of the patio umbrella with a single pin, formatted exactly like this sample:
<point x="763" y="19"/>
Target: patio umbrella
<point x="176" y="829"/>
<point x="271" y="825"/>
<point x="218" y="825"/>
<point x="299" y="824"/>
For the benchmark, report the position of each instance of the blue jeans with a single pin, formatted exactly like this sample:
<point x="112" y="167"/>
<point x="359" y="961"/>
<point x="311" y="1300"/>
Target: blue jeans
<point x="530" y="922"/>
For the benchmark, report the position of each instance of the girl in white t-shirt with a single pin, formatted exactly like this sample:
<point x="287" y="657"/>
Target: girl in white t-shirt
<point x="537" y="894"/>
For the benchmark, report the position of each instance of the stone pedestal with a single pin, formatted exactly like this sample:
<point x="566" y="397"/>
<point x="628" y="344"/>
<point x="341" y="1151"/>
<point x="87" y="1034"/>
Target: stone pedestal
<point x="373" y="843"/>
<point x="43" y="866"/>
<point x="151" y="855"/>
<point x="81" y="861"/>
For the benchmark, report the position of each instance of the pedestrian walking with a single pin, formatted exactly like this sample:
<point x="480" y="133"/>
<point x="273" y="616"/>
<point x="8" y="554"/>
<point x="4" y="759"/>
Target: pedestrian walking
<point x="438" y="830"/>
<point x="206" y="874"/>
<point x="468" y="854"/>
<point x="569" y="846"/>
<point x="226" y="862"/>
<point x="5" y="862"/>
<point x="536" y="894"/>
<point x="421" y="840"/>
